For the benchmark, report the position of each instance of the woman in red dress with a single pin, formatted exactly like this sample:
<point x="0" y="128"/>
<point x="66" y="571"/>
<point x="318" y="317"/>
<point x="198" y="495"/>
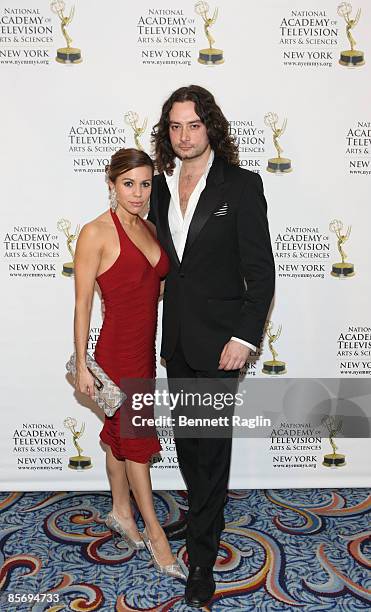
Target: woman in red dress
<point x="119" y="251"/>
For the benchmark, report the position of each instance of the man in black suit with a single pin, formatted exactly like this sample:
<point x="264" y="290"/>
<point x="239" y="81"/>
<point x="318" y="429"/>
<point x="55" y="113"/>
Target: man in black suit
<point x="211" y="218"/>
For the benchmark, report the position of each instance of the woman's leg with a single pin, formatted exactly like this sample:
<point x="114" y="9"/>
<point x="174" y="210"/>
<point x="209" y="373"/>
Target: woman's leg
<point x="138" y="475"/>
<point x="121" y="506"/>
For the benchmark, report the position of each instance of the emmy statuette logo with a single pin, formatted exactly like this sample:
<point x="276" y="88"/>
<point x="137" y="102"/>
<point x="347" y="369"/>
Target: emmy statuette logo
<point x="341" y="269"/>
<point x="79" y="461"/>
<point x="67" y="54"/>
<point x="273" y="367"/>
<point x="333" y="459"/>
<point x="132" y="119"/>
<point x="209" y="56"/>
<point x="351" y="58"/>
<point x="277" y="165"/>
<point x="64" y="226"/>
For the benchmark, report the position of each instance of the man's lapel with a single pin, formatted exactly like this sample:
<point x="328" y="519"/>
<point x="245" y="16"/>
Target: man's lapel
<point x="210" y="199"/>
<point x="163" y="217"/>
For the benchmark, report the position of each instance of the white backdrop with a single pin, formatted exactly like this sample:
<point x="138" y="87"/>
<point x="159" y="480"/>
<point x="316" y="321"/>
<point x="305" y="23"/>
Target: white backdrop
<point x="60" y="125"/>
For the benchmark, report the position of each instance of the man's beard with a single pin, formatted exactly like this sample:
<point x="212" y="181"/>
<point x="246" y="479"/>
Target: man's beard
<point x="192" y="153"/>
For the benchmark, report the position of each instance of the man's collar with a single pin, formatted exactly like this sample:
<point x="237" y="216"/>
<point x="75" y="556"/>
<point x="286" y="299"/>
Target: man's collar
<point x="178" y="164"/>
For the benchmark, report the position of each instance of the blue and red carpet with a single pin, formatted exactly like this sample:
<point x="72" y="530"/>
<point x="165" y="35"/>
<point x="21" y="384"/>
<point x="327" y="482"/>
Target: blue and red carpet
<point x="291" y="549"/>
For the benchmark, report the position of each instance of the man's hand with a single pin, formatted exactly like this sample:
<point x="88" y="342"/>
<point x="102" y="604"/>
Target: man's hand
<point x="234" y="356"/>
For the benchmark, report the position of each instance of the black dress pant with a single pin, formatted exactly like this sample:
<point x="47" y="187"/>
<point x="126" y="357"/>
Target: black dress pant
<point x="204" y="463"/>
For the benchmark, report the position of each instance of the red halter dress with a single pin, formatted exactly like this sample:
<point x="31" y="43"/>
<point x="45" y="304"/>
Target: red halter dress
<point x="126" y="344"/>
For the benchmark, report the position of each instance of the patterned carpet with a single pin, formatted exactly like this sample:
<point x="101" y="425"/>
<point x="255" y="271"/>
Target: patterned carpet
<point x="307" y="549"/>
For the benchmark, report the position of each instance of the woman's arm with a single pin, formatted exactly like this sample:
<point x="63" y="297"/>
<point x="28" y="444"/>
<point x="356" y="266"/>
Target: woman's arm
<point x="86" y="263"/>
<point x="153" y="231"/>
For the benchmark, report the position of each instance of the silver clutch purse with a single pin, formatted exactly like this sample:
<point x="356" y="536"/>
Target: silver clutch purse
<point x="107" y="394"/>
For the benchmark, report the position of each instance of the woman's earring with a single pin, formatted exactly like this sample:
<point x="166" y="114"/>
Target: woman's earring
<point x="113" y="199"/>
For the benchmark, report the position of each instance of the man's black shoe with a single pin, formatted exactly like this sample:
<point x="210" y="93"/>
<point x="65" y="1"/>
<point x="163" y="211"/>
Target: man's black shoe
<point x="200" y="586"/>
<point x="176" y="530"/>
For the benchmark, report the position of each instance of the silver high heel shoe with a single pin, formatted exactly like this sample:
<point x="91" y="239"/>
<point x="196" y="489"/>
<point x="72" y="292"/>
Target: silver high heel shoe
<point x="115" y="525"/>
<point x="173" y="569"/>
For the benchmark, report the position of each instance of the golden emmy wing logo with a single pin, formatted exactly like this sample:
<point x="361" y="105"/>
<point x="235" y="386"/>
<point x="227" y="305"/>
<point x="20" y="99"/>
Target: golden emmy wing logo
<point x="209" y="56"/>
<point x="351" y="58"/>
<point x="67" y="54"/>
<point x="79" y="461"/>
<point x="341" y="269"/>
<point x="64" y="225"/>
<point x="277" y="165"/>
<point x="132" y="119"/>
<point x="273" y="366"/>
<point x="333" y="459"/>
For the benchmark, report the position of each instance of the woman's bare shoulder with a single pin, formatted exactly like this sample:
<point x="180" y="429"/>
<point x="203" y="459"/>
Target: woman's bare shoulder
<point x="97" y="227"/>
<point x="151" y="226"/>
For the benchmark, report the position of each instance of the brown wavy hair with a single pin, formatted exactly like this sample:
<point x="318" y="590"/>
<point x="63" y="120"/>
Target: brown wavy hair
<point x="124" y="160"/>
<point x="217" y="126"/>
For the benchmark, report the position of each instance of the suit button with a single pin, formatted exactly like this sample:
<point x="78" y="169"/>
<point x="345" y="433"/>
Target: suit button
<point x="181" y="274"/>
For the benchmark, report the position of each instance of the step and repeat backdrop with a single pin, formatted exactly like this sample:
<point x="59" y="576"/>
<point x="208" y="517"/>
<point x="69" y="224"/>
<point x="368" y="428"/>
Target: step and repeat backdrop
<point x="81" y="79"/>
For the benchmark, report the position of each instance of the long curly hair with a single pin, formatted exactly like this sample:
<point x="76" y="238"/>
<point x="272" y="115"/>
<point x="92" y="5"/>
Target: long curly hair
<point x="217" y="126"/>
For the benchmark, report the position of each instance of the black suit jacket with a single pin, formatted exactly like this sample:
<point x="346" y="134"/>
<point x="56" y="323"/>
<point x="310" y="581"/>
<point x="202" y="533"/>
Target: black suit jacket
<point x="224" y="284"/>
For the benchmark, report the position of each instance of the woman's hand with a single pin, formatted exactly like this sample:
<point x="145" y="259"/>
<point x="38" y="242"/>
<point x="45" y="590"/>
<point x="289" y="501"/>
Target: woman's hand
<point x="84" y="382"/>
